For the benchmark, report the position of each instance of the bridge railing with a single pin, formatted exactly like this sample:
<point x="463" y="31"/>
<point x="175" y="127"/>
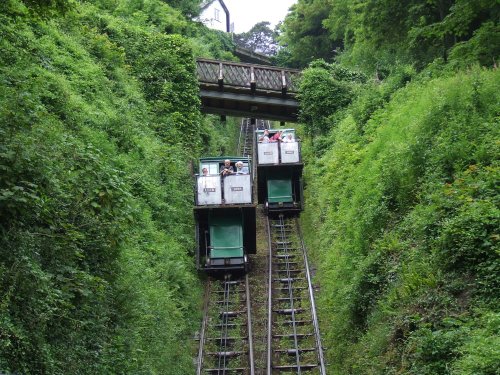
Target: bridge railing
<point x="253" y="77"/>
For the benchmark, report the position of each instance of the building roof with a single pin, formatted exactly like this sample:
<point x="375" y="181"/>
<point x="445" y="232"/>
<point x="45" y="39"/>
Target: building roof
<point x="207" y="3"/>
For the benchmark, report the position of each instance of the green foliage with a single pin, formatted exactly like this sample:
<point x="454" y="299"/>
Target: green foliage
<point x="479" y="352"/>
<point x="402" y="180"/>
<point x="38" y="8"/>
<point x="470" y="344"/>
<point x="404" y="194"/>
<point x="189" y="8"/>
<point x="324" y="89"/>
<point x="377" y="35"/>
<point x="304" y="36"/>
<point x="99" y="121"/>
<point x="156" y="14"/>
<point x="214" y="44"/>
<point x="483" y="47"/>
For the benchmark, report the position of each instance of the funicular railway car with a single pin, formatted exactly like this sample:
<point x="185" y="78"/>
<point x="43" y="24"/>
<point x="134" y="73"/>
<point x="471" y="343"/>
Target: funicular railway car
<point x="279" y="171"/>
<point x="224" y="213"/>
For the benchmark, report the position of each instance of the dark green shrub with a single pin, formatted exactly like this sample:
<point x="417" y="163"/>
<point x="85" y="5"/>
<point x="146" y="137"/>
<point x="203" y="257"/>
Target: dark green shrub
<point x="95" y="272"/>
<point x="322" y="94"/>
<point x="407" y="211"/>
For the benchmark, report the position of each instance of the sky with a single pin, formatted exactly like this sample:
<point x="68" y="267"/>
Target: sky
<point x="246" y="13"/>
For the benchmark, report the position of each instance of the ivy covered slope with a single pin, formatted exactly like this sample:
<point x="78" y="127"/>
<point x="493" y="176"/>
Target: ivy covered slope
<point x="99" y="120"/>
<point x="402" y="171"/>
<point x="403" y="212"/>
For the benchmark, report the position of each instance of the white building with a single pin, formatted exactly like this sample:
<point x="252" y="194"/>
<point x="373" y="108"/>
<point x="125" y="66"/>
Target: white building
<point x="215" y="15"/>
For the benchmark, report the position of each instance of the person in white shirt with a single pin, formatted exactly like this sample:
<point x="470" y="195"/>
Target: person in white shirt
<point x="240" y="169"/>
<point x="265" y="137"/>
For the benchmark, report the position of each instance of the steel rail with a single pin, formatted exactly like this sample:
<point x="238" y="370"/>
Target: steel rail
<point x="249" y="139"/>
<point x="246" y="137"/>
<point x="245" y="140"/>
<point x="203" y="328"/>
<point x="269" y="301"/>
<point x="249" y="328"/>
<point x="241" y="132"/>
<point x="319" y="347"/>
<point x="224" y="326"/>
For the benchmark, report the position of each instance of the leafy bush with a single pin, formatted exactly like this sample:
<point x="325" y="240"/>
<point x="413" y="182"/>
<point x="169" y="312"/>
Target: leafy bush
<point x="324" y="89"/>
<point x="96" y="115"/>
<point x="482" y="48"/>
<point x="479" y="352"/>
<point x="407" y="209"/>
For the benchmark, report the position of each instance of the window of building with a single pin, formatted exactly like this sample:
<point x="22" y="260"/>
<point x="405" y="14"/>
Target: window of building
<point x="217" y="14"/>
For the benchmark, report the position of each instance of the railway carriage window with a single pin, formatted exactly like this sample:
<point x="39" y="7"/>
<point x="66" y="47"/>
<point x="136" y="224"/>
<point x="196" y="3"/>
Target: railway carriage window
<point x="213" y="168"/>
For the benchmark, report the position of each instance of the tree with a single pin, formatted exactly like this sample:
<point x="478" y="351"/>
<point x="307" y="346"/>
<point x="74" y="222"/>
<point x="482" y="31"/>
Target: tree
<point x="304" y="34"/>
<point x="324" y="90"/>
<point x="377" y="35"/>
<point x="190" y="8"/>
<point x="261" y="38"/>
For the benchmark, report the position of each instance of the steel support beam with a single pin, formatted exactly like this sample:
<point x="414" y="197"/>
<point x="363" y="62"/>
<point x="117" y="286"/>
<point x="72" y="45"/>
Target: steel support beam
<point x="236" y="104"/>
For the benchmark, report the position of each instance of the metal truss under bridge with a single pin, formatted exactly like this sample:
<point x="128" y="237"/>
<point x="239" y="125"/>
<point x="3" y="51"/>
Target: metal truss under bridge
<point x="247" y="90"/>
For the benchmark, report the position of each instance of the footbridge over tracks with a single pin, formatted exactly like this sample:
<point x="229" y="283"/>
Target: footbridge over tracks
<point x="247" y="90"/>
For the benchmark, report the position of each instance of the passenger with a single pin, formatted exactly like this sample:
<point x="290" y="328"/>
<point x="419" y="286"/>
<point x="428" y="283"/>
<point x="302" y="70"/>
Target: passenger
<point x="227" y="168"/>
<point x="265" y="138"/>
<point x="240" y="169"/>
<point x="288" y="138"/>
<point x="276" y="137"/>
<point x="205" y="171"/>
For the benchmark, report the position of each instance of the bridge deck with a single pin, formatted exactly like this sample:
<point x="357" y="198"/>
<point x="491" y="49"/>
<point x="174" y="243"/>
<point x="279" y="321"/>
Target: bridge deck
<point x="248" y="90"/>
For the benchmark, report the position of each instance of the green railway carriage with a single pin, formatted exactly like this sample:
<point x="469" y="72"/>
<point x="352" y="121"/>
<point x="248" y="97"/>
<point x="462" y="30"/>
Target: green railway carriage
<point x="279" y="171"/>
<point x="224" y="213"/>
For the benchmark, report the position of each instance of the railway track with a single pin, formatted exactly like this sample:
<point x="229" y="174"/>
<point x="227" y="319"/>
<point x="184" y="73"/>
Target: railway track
<point x="246" y="139"/>
<point x="226" y="345"/>
<point x="226" y="342"/>
<point x="293" y="341"/>
<point x="294" y="344"/>
<point x="247" y="133"/>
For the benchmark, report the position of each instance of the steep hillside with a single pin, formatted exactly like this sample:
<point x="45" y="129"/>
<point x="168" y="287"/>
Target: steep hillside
<point x="402" y="128"/>
<point x="403" y="211"/>
<point x="99" y="122"/>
